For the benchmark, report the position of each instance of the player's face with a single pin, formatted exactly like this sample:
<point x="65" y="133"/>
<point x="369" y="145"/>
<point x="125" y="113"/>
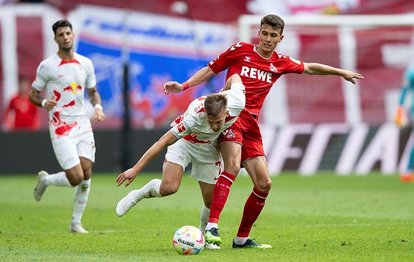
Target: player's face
<point x="64" y="38"/>
<point x="269" y="38"/>
<point x="217" y="122"/>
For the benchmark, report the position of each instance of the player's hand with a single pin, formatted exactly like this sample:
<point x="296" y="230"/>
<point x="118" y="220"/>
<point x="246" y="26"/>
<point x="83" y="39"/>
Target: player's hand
<point x="99" y="115"/>
<point x="172" y="87"/>
<point x="400" y="117"/>
<point x="50" y="104"/>
<point x="351" y="76"/>
<point x="128" y="175"/>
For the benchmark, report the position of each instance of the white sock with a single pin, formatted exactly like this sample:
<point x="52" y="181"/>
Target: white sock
<point x="211" y="225"/>
<point x="80" y="200"/>
<point x="204" y="213"/>
<point x="151" y="189"/>
<point x="58" y="179"/>
<point x="240" y="240"/>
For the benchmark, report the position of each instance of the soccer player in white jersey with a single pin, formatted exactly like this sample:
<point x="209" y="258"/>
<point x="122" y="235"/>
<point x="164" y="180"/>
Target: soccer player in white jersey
<point x="193" y="138"/>
<point x="63" y="78"/>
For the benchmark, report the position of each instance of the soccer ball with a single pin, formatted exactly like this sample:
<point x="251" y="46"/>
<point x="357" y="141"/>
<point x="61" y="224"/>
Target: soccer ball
<point x="188" y="240"/>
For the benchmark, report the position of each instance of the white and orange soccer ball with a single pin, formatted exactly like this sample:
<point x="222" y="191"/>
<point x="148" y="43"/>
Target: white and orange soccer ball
<point x="188" y="240"/>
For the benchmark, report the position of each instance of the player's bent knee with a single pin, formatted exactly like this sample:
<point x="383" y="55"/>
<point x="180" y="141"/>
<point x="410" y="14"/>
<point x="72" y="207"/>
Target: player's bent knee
<point x="74" y="181"/>
<point x="268" y="186"/>
<point x="166" y="190"/>
<point x="87" y="174"/>
<point x="264" y="186"/>
<point x="232" y="168"/>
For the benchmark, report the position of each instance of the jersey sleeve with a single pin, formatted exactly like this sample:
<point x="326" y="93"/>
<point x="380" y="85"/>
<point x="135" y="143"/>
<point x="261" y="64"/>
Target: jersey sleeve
<point x="11" y="105"/>
<point x="184" y="124"/>
<point x="183" y="128"/>
<point x="225" y="59"/>
<point x="41" y="77"/>
<point x="236" y="99"/>
<point x="291" y="65"/>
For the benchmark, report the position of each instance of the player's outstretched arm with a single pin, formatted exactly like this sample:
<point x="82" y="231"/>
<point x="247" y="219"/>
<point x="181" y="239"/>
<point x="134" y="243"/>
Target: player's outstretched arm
<point x="129" y="175"/>
<point x="321" y="69"/>
<point x="200" y="76"/>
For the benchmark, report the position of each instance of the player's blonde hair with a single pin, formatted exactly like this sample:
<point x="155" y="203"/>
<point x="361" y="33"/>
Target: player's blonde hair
<point x="215" y="104"/>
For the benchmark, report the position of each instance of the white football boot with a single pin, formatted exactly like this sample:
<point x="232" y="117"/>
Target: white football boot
<point x="41" y="185"/>
<point x="77" y="228"/>
<point x="126" y="203"/>
<point x="211" y="246"/>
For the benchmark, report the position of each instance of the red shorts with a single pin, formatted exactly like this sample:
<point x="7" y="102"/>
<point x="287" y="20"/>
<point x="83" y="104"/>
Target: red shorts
<point x="245" y="131"/>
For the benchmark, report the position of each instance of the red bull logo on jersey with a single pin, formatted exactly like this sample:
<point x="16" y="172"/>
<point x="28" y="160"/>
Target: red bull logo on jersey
<point x="73" y="87"/>
<point x="255" y="73"/>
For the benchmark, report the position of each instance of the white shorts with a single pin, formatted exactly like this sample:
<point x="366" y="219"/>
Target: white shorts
<point x="68" y="148"/>
<point x="205" y="159"/>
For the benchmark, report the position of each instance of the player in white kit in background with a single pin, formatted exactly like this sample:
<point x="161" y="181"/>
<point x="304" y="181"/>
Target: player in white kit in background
<point x="63" y="78"/>
<point x="192" y="139"/>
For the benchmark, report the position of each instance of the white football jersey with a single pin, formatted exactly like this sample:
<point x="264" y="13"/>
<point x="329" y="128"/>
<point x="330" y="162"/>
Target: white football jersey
<point x="193" y="125"/>
<point x="65" y="81"/>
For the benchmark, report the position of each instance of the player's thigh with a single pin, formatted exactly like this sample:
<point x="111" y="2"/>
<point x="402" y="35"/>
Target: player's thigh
<point x="86" y="151"/>
<point x="85" y="146"/>
<point x="66" y="152"/>
<point x="172" y="175"/>
<point x="257" y="169"/>
<point x="207" y="192"/>
<point x="231" y="154"/>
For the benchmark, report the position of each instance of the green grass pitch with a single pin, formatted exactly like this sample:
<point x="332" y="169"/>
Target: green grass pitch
<point x="319" y="218"/>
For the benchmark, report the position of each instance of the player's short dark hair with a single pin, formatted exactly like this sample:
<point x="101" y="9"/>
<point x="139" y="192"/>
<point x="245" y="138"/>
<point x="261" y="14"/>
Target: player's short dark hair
<point x="61" y="23"/>
<point x="215" y="104"/>
<point x="274" y="21"/>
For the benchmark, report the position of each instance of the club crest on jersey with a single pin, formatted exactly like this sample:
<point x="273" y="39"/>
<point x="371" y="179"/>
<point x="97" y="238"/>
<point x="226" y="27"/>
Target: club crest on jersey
<point x="73" y="87"/>
<point x="273" y="68"/>
<point x="228" y="133"/>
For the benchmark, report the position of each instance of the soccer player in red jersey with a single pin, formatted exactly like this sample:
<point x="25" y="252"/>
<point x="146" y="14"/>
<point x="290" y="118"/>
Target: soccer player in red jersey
<point x="21" y="114"/>
<point x="259" y="67"/>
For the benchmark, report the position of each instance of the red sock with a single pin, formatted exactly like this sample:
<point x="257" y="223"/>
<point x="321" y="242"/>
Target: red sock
<point x="251" y="212"/>
<point x="221" y="192"/>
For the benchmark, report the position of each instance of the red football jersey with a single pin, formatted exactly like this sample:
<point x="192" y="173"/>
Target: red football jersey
<point x="257" y="73"/>
<point x="25" y="113"/>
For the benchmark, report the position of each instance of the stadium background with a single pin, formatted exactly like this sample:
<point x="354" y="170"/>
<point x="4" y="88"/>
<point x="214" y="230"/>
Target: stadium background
<point x="163" y="40"/>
